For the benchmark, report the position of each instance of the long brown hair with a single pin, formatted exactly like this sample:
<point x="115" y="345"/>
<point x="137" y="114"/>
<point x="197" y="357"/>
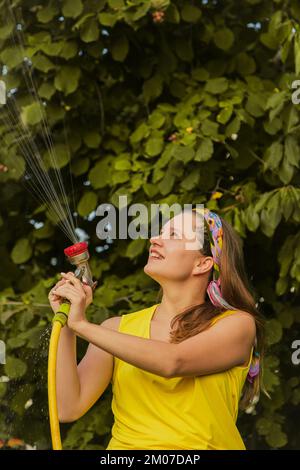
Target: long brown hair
<point x="236" y="290"/>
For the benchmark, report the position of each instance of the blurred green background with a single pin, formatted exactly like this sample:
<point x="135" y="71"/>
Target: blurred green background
<point x="165" y="101"/>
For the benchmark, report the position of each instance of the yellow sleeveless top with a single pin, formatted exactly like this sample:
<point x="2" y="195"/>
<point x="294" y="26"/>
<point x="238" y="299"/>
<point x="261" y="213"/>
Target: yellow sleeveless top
<point x="154" y="412"/>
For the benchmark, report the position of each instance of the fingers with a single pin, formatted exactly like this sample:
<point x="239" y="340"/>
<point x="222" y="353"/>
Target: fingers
<point x="60" y="283"/>
<point x="87" y="289"/>
<point x="70" y="292"/>
<point x="73" y="280"/>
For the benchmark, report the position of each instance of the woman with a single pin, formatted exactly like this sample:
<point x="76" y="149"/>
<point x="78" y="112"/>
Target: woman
<point x="180" y="367"/>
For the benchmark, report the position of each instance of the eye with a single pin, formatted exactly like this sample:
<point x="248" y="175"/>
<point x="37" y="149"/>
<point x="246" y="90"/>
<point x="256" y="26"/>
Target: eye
<point x="173" y="232"/>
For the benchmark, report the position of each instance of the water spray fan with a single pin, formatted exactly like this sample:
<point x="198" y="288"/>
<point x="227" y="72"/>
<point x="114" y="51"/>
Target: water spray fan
<point x="78" y="256"/>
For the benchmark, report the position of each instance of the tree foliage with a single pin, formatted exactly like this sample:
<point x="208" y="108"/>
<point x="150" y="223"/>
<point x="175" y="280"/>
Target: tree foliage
<point x="165" y="101"/>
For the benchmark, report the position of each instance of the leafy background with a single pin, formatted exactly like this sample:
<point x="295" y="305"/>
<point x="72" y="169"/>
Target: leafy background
<point x="165" y="101"/>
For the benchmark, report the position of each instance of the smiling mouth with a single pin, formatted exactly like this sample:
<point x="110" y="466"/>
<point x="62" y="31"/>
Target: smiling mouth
<point x="155" y="256"/>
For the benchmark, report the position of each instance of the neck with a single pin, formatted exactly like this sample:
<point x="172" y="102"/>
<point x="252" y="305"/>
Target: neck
<point x="177" y="298"/>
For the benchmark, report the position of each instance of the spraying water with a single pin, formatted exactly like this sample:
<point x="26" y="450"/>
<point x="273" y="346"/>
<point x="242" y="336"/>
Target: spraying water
<point x="23" y="152"/>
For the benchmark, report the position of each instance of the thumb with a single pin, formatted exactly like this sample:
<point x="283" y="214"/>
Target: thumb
<point x="87" y="289"/>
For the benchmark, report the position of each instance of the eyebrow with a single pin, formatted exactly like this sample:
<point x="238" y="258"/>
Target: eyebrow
<point x="171" y="228"/>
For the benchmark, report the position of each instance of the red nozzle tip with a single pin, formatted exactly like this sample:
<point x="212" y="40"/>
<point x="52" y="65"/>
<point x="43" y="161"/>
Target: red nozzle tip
<point x="76" y="249"/>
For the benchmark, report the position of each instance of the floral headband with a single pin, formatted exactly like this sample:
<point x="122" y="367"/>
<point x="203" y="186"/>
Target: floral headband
<point x="215" y="233"/>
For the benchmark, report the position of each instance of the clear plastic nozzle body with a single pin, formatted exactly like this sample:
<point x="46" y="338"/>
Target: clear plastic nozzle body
<point x="83" y="271"/>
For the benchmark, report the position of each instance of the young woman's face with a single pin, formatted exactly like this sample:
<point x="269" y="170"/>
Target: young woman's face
<point x="174" y="254"/>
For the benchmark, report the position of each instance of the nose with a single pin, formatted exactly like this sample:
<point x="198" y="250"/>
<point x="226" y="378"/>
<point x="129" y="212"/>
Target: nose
<point x="156" y="240"/>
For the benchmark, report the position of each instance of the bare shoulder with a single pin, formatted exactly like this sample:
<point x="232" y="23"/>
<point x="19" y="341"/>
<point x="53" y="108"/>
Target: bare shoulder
<point x="243" y="321"/>
<point x="112" y="323"/>
<point x="247" y="318"/>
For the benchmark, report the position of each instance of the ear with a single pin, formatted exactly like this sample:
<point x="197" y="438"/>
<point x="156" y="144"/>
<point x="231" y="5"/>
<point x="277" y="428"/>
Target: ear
<point x="203" y="265"/>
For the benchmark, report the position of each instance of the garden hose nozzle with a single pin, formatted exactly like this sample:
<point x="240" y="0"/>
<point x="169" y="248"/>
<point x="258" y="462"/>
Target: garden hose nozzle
<point x="77" y="255"/>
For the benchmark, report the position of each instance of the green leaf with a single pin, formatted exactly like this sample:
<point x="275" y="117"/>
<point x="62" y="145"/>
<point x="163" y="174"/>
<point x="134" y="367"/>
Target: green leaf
<point x="156" y="120"/>
<point x="271" y="215"/>
<point x="22" y="251"/>
<point x="152" y="88"/>
<point x="99" y="176"/>
<point x="190" y="181"/>
<point x="269" y="40"/>
<point x="46" y="90"/>
<point x="92" y="139"/>
<point x="47" y="13"/>
<point x="6" y="30"/>
<point x="224" y="115"/>
<point x="224" y="39"/>
<point x="263" y="426"/>
<point x="121" y="177"/>
<point x="89" y="32"/>
<point x="12" y="56"/>
<point x="52" y="48"/>
<point x="204" y="151"/>
<point x="190" y="13"/>
<point x="291" y="118"/>
<point x="120" y="48"/>
<point x="255" y="105"/>
<point x="67" y="79"/>
<point x="58" y="158"/>
<point x="44" y="232"/>
<point x="292" y="150"/>
<point x="276" y="99"/>
<point x="80" y="166"/>
<point x="273" y="331"/>
<point x="216" y="85"/>
<point x="154" y="146"/>
<point x="210" y="128"/>
<point x="150" y="189"/>
<point x="87" y="203"/>
<point x="140" y="133"/>
<point x="273" y="155"/>
<point x="297" y="53"/>
<point x="123" y="163"/>
<point x="183" y="154"/>
<point x="32" y="114"/>
<point x="3" y="389"/>
<point x="107" y="19"/>
<point x="135" y="248"/>
<point x="72" y="8"/>
<point x="286" y="171"/>
<point x="116" y="4"/>
<point x="69" y="50"/>
<point x="41" y="62"/>
<point x="15" y="368"/>
<point x="245" y="64"/>
<point x="276" y="438"/>
<point x="233" y="127"/>
<point x="252" y="219"/>
<point x="167" y="183"/>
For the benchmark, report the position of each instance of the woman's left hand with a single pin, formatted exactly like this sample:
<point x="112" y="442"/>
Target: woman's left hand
<point x="74" y="291"/>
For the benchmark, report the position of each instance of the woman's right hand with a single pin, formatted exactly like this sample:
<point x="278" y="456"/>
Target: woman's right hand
<point x="56" y="300"/>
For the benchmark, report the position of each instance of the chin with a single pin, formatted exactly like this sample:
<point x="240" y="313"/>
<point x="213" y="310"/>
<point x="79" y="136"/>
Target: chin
<point x="150" y="271"/>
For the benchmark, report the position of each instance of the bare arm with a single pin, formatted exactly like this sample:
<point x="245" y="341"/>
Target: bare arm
<point x="223" y="346"/>
<point x="80" y="386"/>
